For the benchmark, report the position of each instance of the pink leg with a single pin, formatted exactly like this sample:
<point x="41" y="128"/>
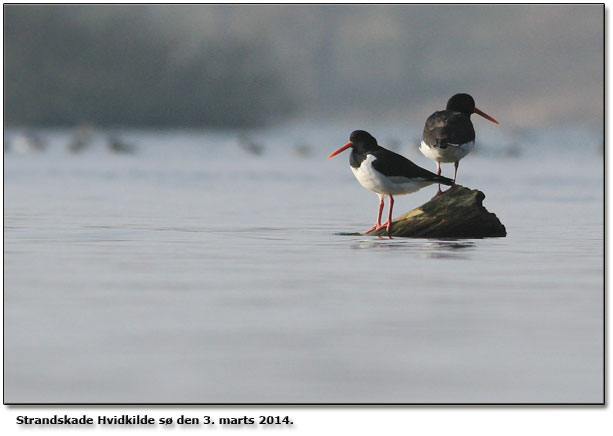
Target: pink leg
<point x="388" y="223"/>
<point x="378" y="223"/>
<point x="455" y="174"/>
<point x="438" y="171"/>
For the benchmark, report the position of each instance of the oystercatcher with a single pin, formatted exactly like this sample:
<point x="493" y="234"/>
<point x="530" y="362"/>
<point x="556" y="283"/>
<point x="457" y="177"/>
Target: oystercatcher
<point x="385" y="172"/>
<point x="449" y="135"/>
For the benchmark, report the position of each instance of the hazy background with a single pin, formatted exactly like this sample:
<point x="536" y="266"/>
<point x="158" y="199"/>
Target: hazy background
<point x="229" y="66"/>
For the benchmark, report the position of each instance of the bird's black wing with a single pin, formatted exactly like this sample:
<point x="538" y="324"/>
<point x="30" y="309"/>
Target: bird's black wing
<point x="393" y="164"/>
<point x="446" y="128"/>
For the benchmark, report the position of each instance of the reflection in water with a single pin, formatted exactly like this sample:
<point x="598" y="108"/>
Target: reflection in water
<point x="429" y="248"/>
<point x="448" y="249"/>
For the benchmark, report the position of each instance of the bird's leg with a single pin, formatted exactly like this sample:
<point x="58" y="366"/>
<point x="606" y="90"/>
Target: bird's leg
<point x="378" y="223"/>
<point x="438" y="171"/>
<point x="388" y="223"/>
<point x="455" y="174"/>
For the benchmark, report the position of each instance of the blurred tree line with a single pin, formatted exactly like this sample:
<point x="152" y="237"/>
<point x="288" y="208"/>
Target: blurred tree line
<point x="65" y="65"/>
<point x="239" y="65"/>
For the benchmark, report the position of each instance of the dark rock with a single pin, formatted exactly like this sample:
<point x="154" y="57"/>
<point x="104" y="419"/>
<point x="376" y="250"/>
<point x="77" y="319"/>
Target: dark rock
<point x="457" y="213"/>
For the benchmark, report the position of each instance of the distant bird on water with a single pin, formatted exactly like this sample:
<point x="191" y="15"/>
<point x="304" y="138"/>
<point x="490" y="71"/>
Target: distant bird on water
<point x="385" y="172"/>
<point x="249" y="145"/>
<point x="28" y="142"/>
<point x="118" y="146"/>
<point x="82" y="138"/>
<point x="449" y="135"/>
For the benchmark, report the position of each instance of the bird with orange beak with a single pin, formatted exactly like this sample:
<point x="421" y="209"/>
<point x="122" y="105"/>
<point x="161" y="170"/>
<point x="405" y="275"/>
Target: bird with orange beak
<point x="449" y="134"/>
<point x="384" y="172"/>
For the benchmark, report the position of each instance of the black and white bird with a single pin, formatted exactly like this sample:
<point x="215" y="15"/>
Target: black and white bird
<point x="384" y="172"/>
<point x="449" y="135"/>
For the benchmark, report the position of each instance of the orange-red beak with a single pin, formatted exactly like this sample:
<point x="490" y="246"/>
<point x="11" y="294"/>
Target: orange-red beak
<point x="486" y="116"/>
<point x="343" y="148"/>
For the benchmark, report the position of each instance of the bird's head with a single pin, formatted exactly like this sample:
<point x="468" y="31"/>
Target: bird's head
<point x="360" y="140"/>
<point x="464" y="103"/>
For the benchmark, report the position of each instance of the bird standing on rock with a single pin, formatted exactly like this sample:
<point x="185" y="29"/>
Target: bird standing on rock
<point x="449" y="135"/>
<point x="385" y="172"/>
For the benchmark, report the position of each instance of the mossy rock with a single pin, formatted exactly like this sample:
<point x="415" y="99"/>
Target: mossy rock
<point x="457" y="213"/>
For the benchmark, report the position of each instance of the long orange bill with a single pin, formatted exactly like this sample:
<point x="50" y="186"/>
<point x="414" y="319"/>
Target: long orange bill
<point x="343" y="148"/>
<point x="486" y="116"/>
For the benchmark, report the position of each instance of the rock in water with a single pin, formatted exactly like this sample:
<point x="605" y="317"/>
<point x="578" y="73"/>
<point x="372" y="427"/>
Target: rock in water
<point x="457" y="213"/>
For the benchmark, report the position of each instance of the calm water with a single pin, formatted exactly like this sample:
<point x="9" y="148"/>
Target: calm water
<point x="194" y="271"/>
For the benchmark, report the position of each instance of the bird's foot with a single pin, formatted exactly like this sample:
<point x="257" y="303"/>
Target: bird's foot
<point x="373" y="228"/>
<point x="387" y="225"/>
<point x="438" y="193"/>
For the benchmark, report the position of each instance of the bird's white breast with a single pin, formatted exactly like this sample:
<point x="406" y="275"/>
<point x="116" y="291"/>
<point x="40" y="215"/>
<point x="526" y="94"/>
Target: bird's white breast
<point x="453" y="153"/>
<point x="378" y="182"/>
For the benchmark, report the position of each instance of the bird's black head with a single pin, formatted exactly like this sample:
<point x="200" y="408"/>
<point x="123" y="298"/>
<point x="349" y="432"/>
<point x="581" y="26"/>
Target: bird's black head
<point x="359" y="140"/>
<point x="362" y="139"/>
<point x="463" y="103"/>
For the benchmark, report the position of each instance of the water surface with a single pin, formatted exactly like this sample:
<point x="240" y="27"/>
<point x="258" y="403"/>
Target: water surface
<point x="195" y="271"/>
